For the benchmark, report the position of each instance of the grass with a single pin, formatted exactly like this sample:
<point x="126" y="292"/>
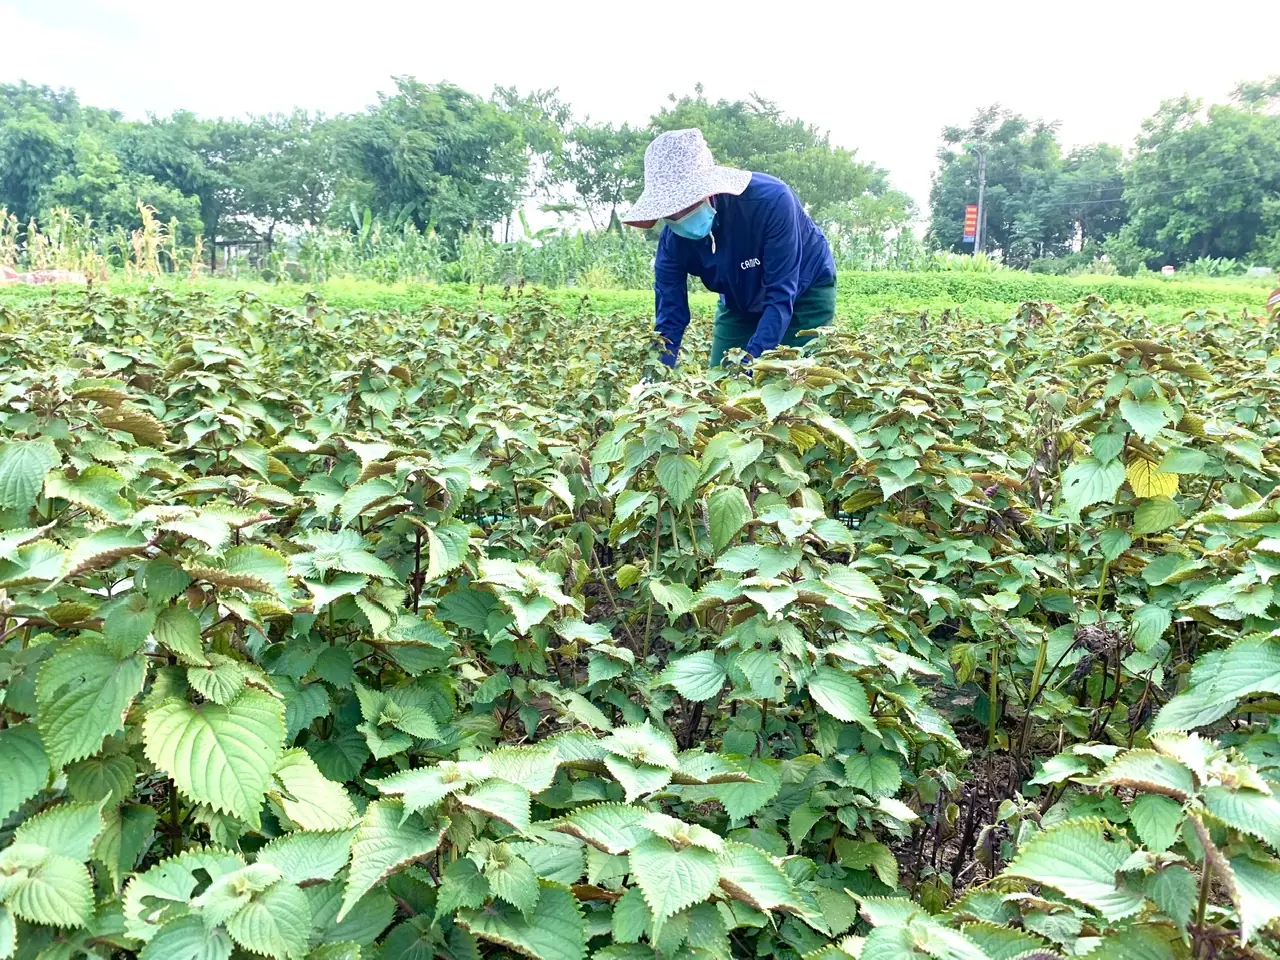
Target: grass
<point x="993" y="296"/>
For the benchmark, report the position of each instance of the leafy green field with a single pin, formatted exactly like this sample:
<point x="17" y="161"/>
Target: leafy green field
<point x="989" y="296"/>
<point x="331" y="634"/>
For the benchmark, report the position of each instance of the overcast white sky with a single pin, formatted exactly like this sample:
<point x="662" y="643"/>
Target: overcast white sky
<point x="883" y="77"/>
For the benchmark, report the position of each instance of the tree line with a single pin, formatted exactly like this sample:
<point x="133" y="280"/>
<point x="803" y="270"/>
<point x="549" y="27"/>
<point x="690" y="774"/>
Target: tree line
<point x="1199" y="182"/>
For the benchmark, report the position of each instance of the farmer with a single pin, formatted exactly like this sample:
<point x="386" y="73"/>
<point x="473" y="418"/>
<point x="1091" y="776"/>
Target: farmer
<point x="745" y="236"/>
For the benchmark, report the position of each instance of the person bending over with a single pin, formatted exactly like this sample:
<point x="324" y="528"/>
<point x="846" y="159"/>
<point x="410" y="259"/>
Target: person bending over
<point x="745" y="235"/>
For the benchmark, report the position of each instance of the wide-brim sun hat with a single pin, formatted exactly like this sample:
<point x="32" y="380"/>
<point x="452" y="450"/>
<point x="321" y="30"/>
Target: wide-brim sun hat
<point x="678" y="172"/>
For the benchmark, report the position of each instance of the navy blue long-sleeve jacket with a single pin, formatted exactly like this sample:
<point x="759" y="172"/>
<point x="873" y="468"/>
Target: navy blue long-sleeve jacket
<point x="765" y="253"/>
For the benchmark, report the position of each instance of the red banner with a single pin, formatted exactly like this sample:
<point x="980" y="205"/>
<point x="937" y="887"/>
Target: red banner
<point x="970" y="223"/>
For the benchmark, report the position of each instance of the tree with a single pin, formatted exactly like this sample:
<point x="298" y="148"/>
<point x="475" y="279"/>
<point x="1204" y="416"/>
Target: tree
<point x="1024" y="161"/>
<point x="283" y="169"/>
<point x="1201" y="181"/>
<point x="186" y="153"/>
<point x="1090" y="191"/>
<point x="436" y="154"/>
<point x="605" y="166"/>
<point x="37" y="128"/>
<point x="95" y="186"/>
<point x="54" y="152"/>
<point x="863" y="230"/>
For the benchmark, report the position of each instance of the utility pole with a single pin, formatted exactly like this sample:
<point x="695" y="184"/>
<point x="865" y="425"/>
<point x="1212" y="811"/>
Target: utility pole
<point x="980" y="151"/>
<point x="982" y="209"/>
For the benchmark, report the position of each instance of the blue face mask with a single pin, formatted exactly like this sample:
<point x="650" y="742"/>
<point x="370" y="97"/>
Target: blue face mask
<point x="696" y="224"/>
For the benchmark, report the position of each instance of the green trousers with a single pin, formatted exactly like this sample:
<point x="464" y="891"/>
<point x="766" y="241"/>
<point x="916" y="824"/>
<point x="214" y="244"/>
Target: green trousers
<point x="816" y="307"/>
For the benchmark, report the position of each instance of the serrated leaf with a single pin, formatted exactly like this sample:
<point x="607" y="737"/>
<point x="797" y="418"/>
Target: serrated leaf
<point x="1154" y="515"/>
<point x="84" y="691"/>
<point x="643" y="743"/>
<point x="275" y="922"/>
<point x="857" y="855"/>
<point x="1077" y="858"/>
<point x="254" y="456"/>
<point x="424" y="788"/>
<point x="1113" y="543"/>
<point x="178" y="630"/>
<point x="67" y="830"/>
<point x="1250" y="665"/>
<point x="1060" y="768"/>
<point x="216" y="754"/>
<point x="1247" y="450"/>
<point x="1147" y="416"/>
<point x="139" y="424"/>
<point x="1002" y="943"/>
<point x="742" y="800"/>
<point x="676" y="598"/>
<point x="43" y="887"/>
<point x="162" y="578"/>
<point x="1173" y="890"/>
<point x="187" y="938"/>
<point x="778" y="397"/>
<point x="558" y="484"/>
<point x="1251" y="811"/>
<point x="637" y="779"/>
<point x="502" y="801"/>
<point x="876" y="775"/>
<point x="25" y="766"/>
<point x="513" y="880"/>
<point x="1147" y="481"/>
<point x="96" y="489"/>
<point x="303" y="704"/>
<point x="728" y="511"/>
<point x="221" y="680"/>
<point x="309" y="855"/>
<point x="32" y="563"/>
<point x="612" y="827"/>
<point x="1088" y="481"/>
<point x="852" y="583"/>
<point x="696" y="676"/>
<point x="1148" y="624"/>
<point x="10" y="540"/>
<point x="1256" y="890"/>
<point x="748" y="874"/>
<point x="126" y="832"/>
<point x="261" y="565"/>
<point x="1184" y="460"/>
<point x="555" y="930"/>
<point x="842" y="696"/>
<point x="631" y="917"/>
<point x="362" y="496"/>
<point x="1151" y="772"/>
<point x="101" y="548"/>
<point x="385" y="840"/>
<point x="165" y="890"/>
<point x="533" y="767"/>
<point x="461" y="885"/>
<point x="673" y="879"/>
<point x="447" y="546"/>
<point x="1156" y="818"/>
<point x="23" y="465"/>
<point x="678" y="475"/>
<point x="307" y="797"/>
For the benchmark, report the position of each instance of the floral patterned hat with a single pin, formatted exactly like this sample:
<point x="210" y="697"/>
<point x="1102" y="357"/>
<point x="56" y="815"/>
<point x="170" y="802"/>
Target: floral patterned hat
<point x="678" y="172"/>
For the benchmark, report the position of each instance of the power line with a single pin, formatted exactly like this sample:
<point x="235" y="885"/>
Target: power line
<point x="1208" y="166"/>
<point x="1171" y="180"/>
<point x="1167" y="193"/>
